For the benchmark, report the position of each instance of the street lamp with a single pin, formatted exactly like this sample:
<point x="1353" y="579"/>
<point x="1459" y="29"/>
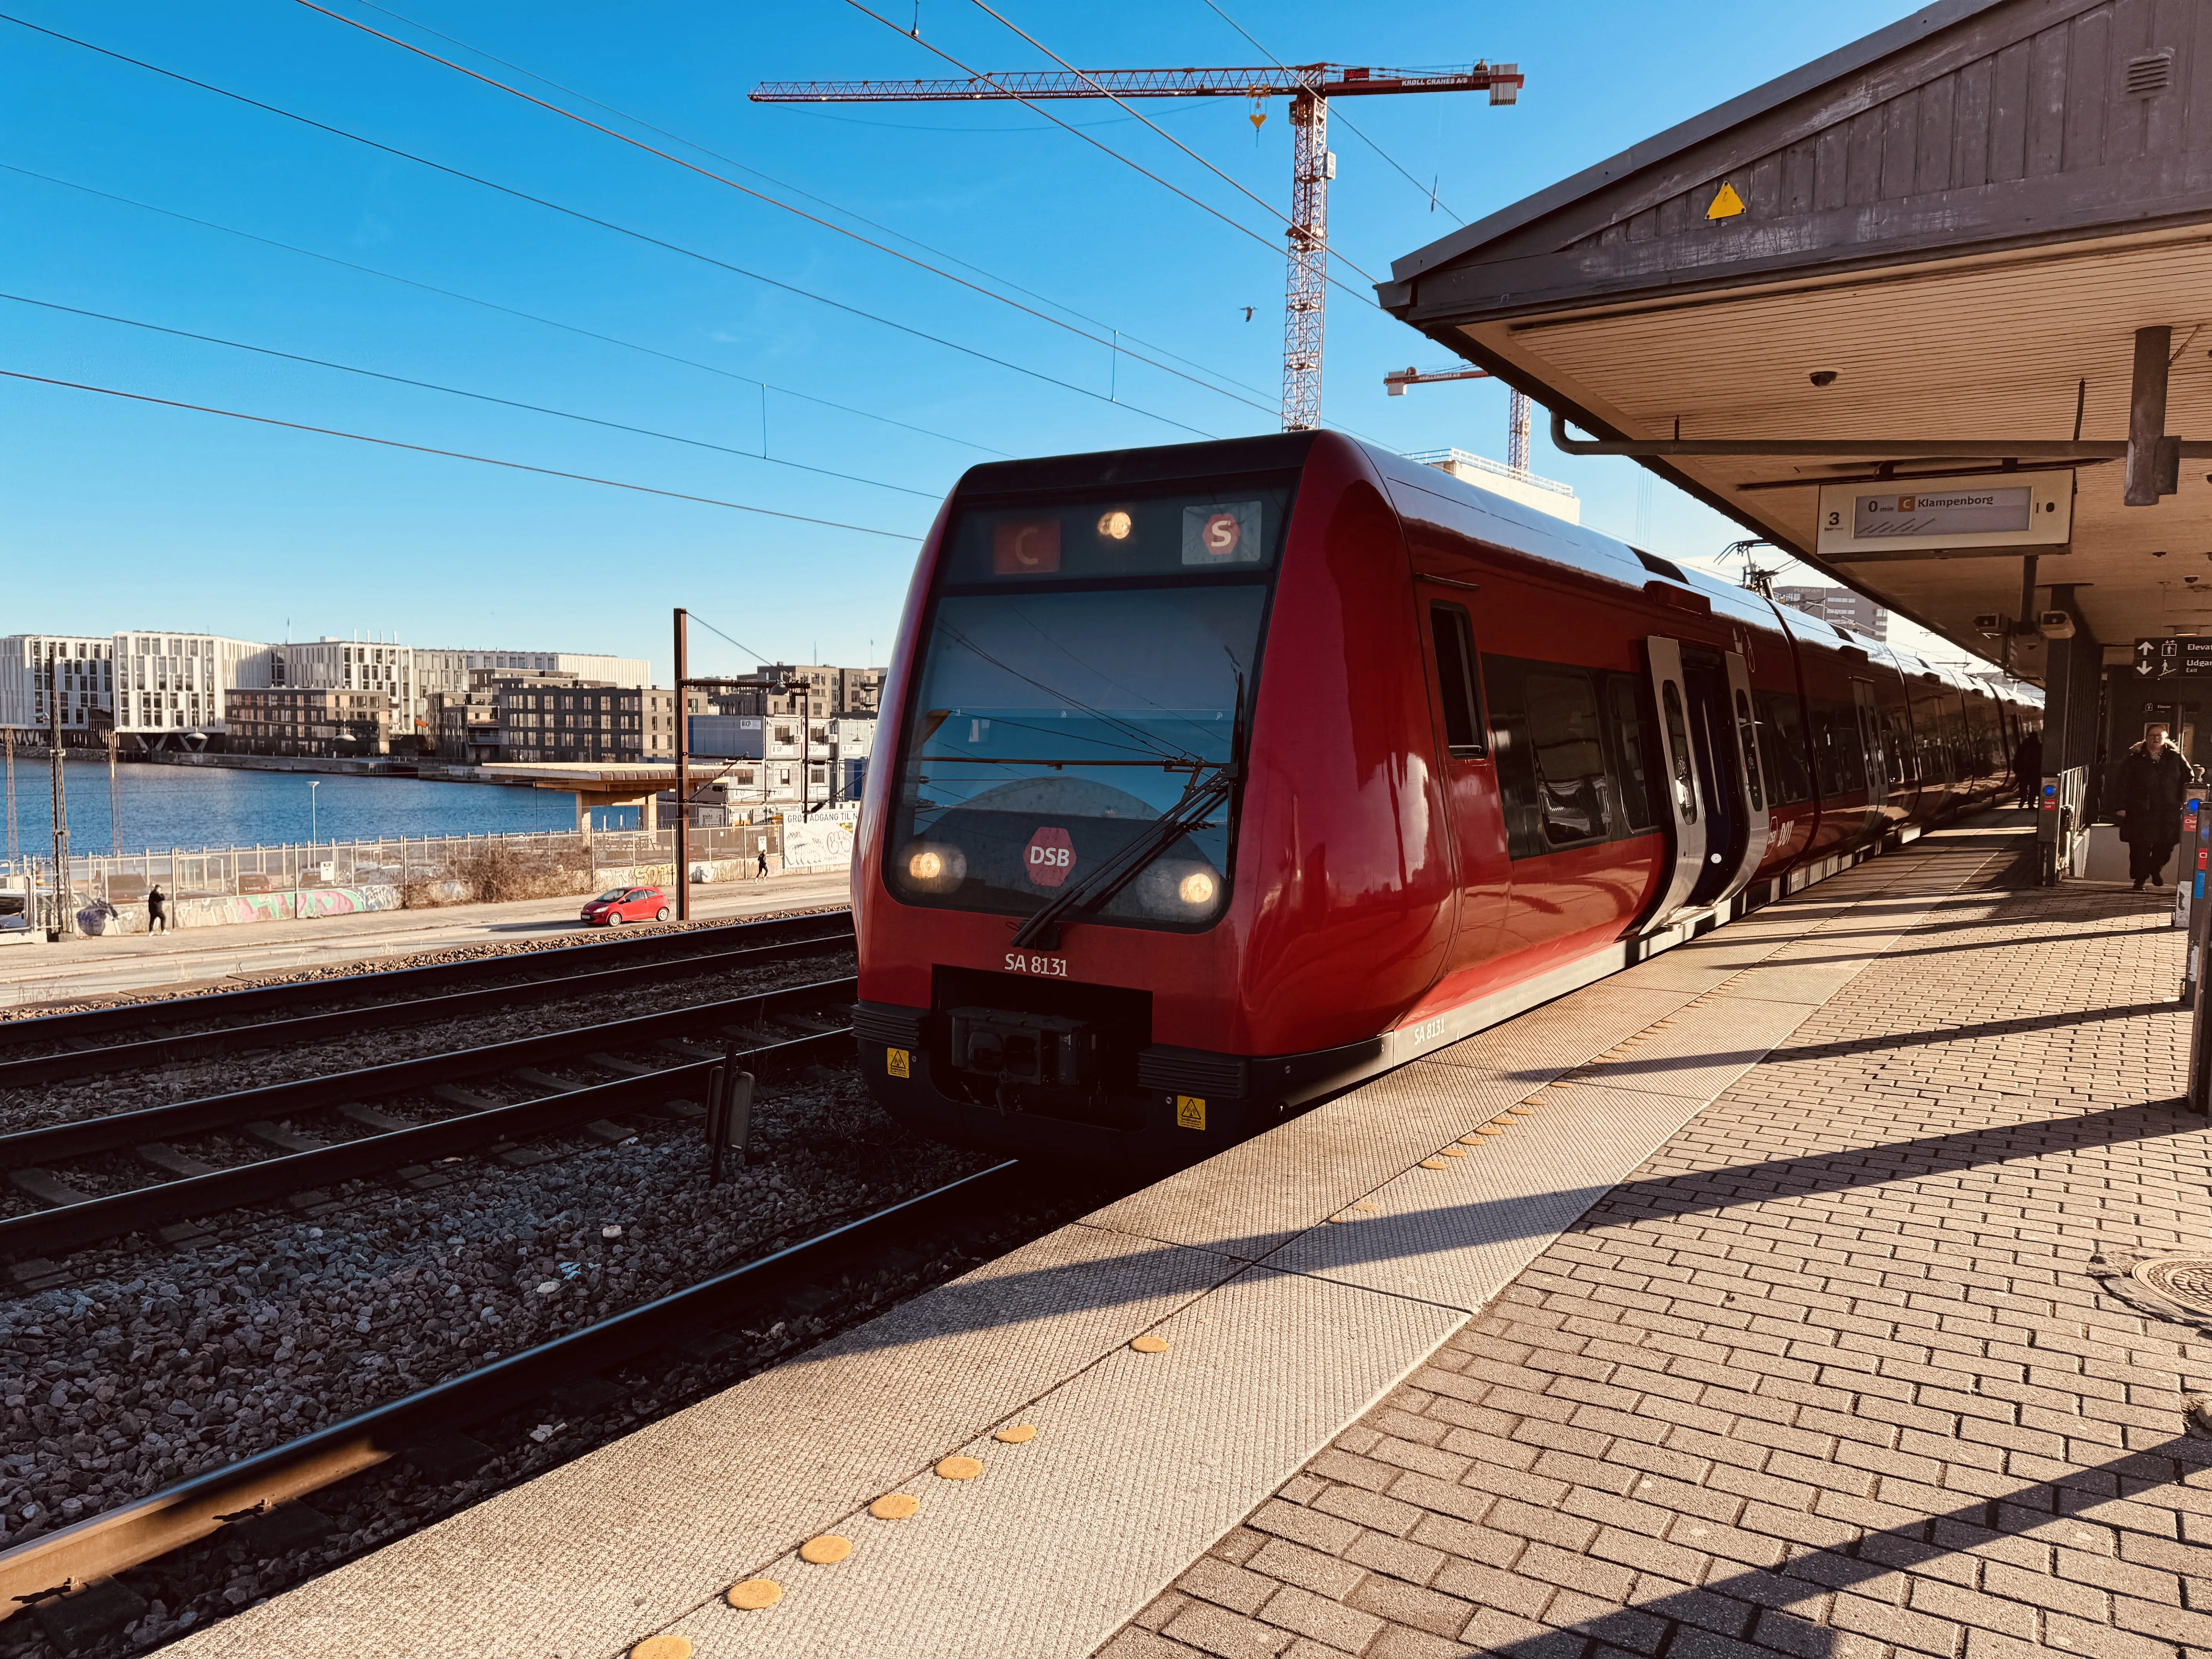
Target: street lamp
<point x="314" y="822"/>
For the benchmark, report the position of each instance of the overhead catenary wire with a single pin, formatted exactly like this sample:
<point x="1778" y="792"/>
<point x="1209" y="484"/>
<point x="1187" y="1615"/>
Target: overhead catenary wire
<point x="1338" y="116"/>
<point x="824" y="201"/>
<point x="982" y="6"/>
<point x="978" y="75"/>
<point x="762" y="196"/>
<point x="452" y="455"/>
<point x="583" y="217"/>
<point x="506" y="310"/>
<point x="460" y="392"/>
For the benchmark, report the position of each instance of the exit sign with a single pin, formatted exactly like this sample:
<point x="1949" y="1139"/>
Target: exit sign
<point x="2165" y="660"/>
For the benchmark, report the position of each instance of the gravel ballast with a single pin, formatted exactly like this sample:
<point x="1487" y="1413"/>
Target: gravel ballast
<point x="155" y="1365"/>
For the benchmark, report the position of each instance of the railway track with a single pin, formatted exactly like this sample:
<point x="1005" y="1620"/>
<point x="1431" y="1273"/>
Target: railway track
<point x="68" y="1577"/>
<point x="654" y="1064"/>
<point x="106" y="1041"/>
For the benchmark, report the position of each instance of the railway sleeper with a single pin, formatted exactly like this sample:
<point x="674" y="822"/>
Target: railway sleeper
<point x="167" y="1159"/>
<point x="283" y="1139"/>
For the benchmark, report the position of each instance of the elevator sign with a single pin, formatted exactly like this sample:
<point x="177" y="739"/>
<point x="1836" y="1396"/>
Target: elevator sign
<point x="2166" y="659"/>
<point x="1894" y="518"/>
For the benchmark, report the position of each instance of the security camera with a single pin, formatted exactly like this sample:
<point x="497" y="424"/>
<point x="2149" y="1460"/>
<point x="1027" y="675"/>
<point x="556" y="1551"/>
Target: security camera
<point x="2055" y="624"/>
<point x="1988" y="624"/>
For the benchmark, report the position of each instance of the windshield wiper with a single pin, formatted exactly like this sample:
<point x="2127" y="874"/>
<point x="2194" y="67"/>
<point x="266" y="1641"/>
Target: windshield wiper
<point x="1205" y="792"/>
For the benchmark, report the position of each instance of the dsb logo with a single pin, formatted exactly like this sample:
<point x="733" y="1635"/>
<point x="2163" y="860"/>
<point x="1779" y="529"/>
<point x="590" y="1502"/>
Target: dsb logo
<point x="1050" y="857"/>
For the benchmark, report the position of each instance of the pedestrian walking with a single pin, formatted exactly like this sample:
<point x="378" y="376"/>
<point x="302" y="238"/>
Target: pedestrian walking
<point x="763" y="862"/>
<point x="2028" y="768"/>
<point x="157" y="910"/>
<point x="2147" y="796"/>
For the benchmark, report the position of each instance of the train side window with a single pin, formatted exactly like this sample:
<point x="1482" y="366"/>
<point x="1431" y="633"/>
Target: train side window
<point x="1838" y="751"/>
<point x="1678" y="755"/>
<point x="1454" y="634"/>
<point x="1748" y="735"/>
<point x="1566" y="744"/>
<point x="1640" y="792"/>
<point x="1782" y="749"/>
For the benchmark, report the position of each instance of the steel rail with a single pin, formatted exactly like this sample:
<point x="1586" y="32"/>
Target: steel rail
<point x="93" y="1021"/>
<point x="135" y="1533"/>
<point x="277" y="1100"/>
<point x="347" y="1021"/>
<point x="72" y="1226"/>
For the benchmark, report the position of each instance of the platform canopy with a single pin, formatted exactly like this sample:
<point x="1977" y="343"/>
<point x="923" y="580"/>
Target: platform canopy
<point x="1948" y="248"/>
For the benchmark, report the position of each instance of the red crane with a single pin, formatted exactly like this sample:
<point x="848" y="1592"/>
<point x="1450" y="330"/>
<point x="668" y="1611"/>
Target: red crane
<point x="1309" y="86"/>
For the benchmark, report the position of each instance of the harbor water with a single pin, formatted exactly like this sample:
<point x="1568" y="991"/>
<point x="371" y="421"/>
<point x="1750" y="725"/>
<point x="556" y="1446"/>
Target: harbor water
<point x="158" y="807"/>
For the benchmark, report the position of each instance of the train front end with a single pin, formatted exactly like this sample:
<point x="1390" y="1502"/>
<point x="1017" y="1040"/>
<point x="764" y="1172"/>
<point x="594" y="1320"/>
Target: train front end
<point x="1045" y="886"/>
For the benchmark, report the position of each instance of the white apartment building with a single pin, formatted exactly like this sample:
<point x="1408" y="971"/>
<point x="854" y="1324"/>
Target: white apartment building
<point x="174" y="684"/>
<point x="86" y="672"/>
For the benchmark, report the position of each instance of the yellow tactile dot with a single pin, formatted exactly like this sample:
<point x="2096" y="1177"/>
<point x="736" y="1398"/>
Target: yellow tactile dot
<point x="1454" y="1152"/>
<point x="1521" y="1111"/>
<point x="1151" y="1345"/>
<point x="826" y="1550"/>
<point x="1488" y="1130"/>
<point x="960" y="1469"/>
<point x="754" y="1594"/>
<point x="1365" y="1205"/>
<point x="1434" y="1164"/>
<point x="1502" y="1123"/>
<point x="1015" y="1434"/>
<point x="663" y="1647"/>
<point x="894" y="1506"/>
<point x="1470" y="1140"/>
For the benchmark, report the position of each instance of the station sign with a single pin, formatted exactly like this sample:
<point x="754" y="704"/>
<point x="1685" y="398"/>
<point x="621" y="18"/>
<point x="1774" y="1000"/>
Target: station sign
<point x="2166" y="659"/>
<point x="1989" y="511"/>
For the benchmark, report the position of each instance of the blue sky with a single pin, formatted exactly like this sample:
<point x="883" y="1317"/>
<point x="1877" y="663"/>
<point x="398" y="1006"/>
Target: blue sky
<point x="116" y="514"/>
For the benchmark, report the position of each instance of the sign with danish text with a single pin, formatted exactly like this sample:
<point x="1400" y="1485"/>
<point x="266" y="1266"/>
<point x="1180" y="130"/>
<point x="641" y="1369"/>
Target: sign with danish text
<point x="1894" y="518"/>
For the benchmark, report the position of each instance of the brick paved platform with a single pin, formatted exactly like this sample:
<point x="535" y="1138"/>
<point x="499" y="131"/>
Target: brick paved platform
<point x="1828" y="1374"/>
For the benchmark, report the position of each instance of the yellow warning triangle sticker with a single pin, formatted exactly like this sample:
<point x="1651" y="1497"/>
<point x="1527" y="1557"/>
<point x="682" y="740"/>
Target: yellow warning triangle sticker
<point x="1726" y="205"/>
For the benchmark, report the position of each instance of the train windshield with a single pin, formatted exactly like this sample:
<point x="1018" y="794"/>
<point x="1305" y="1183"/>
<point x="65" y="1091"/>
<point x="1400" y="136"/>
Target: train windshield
<point x="1078" y="713"/>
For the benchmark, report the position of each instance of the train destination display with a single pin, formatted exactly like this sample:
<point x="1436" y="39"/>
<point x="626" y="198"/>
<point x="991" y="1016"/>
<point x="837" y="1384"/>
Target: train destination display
<point x="1892" y="517"/>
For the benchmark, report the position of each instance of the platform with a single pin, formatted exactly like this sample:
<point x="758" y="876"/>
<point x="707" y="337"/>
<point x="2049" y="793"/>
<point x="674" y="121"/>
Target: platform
<point x="1769" y="1326"/>
<point x="34" y="972"/>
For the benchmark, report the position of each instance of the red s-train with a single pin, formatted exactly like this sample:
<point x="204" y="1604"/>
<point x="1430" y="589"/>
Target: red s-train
<point x="1226" y="774"/>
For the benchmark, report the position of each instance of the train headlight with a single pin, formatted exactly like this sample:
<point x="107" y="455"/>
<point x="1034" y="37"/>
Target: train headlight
<point x="1115" y="525"/>
<point x="1172" y="891"/>
<point x="935" y="867"/>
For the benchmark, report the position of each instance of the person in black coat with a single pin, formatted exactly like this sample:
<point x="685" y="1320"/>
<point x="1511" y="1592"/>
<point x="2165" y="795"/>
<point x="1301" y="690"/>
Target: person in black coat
<point x="2028" y="768"/>
<point x="157" y="910"/>
<point x="2147" y="796"/>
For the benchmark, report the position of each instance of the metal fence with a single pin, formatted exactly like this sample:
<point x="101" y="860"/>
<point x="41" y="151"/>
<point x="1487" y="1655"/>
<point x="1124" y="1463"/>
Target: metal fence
<point x="407" y="862"/>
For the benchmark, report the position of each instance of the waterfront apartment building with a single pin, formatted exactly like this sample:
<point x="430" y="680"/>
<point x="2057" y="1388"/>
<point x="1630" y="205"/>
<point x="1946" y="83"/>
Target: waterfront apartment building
<point x="307" y="721"/>
<point x="154" y="689"/>
<point x="1838" y="604"/>
<point x="410" y="676"/>
<point x="84" y="667"/>
<point x="541" y="715"/>
<point x="170" y="689"/>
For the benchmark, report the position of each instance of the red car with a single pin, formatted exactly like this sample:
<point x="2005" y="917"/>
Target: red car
<point x="622" y="904"/>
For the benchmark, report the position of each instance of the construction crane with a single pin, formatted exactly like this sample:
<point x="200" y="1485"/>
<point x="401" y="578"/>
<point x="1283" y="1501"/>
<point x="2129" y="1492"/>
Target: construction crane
<point x="1309" y="86"/>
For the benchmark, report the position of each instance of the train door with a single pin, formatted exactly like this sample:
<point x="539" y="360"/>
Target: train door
<point x="1687" y="819"/>
<point x="1871" y="740"/>
<point x="1735" y="832"/>
<point x="1482" y="867"/>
